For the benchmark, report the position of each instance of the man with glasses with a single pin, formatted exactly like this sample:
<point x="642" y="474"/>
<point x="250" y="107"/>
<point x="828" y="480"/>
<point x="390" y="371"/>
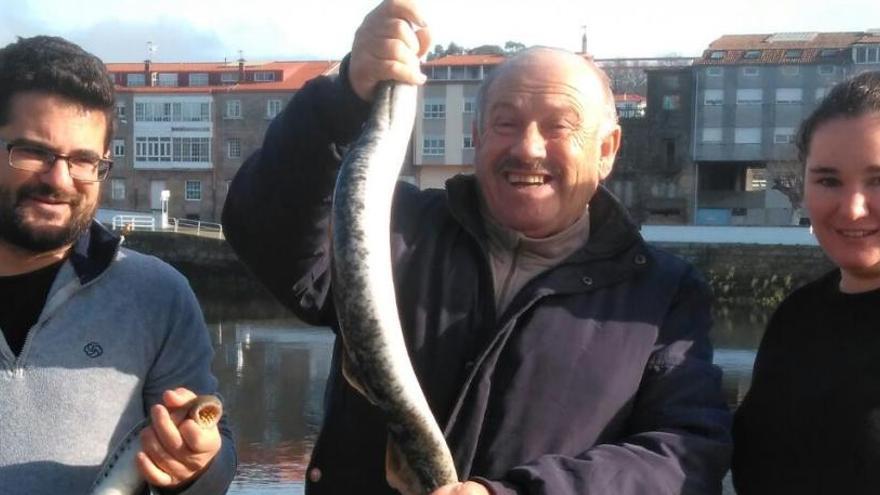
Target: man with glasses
<point x="95" y="338"/>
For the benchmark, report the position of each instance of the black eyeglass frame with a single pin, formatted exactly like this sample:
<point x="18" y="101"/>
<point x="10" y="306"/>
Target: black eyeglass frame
<point x="53" y="157"/>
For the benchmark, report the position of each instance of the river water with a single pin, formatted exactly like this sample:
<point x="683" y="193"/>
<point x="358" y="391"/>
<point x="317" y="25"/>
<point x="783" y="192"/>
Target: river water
<point x="273" y="372"/>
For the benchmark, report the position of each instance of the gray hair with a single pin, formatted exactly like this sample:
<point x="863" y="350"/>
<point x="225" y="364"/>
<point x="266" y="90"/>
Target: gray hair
<point x="608" y="96"/>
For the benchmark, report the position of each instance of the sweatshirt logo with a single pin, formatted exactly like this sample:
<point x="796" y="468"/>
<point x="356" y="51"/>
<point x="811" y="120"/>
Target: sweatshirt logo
<point x="93" y="349"/>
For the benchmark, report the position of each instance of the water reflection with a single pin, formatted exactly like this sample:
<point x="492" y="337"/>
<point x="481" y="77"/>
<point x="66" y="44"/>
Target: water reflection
<point x="273" y="374"/>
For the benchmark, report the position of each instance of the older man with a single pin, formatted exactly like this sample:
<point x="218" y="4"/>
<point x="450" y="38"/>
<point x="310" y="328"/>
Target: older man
<point x="96" y="337"/>
<point x="559" y="353"/>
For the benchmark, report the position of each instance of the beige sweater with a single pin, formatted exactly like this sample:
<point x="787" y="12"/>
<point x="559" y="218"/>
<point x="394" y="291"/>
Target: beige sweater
<point x="516" y="259"/>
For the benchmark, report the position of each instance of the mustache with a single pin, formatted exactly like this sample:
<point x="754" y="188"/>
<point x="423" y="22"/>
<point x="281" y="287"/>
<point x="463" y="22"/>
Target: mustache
<point x="43" y="190"/>
<point x="513" y="164"/>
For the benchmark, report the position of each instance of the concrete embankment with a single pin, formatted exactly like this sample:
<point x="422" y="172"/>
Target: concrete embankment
<point x="750" y="274"/>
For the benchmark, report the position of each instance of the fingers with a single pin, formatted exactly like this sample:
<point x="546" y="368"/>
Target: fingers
<point x="388" y="45"/>
<point x="174" y="447"/>
<point x="177" y="397"/>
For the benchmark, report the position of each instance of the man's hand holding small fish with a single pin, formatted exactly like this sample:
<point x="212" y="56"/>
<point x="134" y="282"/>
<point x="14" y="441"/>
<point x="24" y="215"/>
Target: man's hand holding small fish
<point x="176" y="449"/>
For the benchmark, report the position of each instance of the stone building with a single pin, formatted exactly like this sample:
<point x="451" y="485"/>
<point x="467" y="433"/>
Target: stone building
<point x="187" y="128"/>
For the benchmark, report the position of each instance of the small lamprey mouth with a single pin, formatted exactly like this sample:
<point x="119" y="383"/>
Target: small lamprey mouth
<point x="205" y="410"/>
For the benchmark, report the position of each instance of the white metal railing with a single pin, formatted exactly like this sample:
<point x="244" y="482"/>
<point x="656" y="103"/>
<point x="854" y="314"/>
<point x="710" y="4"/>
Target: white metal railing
<point x="197" y="227"/>
<point x="134" y="222"/>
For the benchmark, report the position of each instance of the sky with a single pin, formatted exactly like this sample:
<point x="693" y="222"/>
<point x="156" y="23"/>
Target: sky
<point x="214" y="30"/>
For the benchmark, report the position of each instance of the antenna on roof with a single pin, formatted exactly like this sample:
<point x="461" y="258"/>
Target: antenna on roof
<point x="151" y="49"/>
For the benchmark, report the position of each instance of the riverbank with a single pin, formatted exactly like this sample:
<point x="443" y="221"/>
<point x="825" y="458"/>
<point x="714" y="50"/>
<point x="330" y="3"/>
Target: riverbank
<point x="739" y="274"/>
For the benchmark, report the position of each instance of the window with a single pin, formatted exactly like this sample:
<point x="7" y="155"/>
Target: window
<point x="168" y="111"/>
<point x="233" y="109"/>
<point x="751" y="71"/>
<point x="790" y="70"/>
<point x="752" y="54"/>
<point x="821" y="92"/>
<point x="193" y="190"/>
<point x="233" y="148"/>
<point x="867" y="54"/>
<point x="135" y="80"/>
<point x="228" y="77"/>
<point x="783" y="135"/>
<point x="117" y="188"/>
<point x="469" y="105"/>
<point x="264" y="76"/>
<point x="828" y="52"/>
<point x="467" y="142"/>
<point x="474" y="72"/>
<point x="152" y="149"/>
<point x="671" y="102"/>
<point x="435" y="110"/>
<point x="789" y="96"/>
<point x="747" y="135"/>
<point x="120" y="110"/>
<point x="198" y="79"/>
<point x="438" y="73"/>
<point x="712" y="135"/>
<point x="273" y="108"/>
<point x="826" y="70"/>
<point x="433" y="146"/>
<point x="749" y="96"/>
<point x="458" y="72"/>
<point x="715" y="71"/>
<point x="671" y="82"/>
<point x="717" y="55"/>
<point x="713" y="97"/>
<point x="118" y="148"/>
<point x="168" y="79"/>
<point x="792" y="54"/>
<point x="192" y="149"/>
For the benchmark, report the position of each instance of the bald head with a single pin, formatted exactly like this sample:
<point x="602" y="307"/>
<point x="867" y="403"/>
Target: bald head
<point x="587" y="78"/>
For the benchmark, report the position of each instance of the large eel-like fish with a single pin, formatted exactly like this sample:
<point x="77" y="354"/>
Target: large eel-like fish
<point x="364" y="291"/>
<point x="120" y="476"/>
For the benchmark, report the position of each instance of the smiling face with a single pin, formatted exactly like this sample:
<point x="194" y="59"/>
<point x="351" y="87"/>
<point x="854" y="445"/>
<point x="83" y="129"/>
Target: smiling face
<point x="547" y="139"/>
<point x="43" y="212"/>
<point x="842" y="195"/>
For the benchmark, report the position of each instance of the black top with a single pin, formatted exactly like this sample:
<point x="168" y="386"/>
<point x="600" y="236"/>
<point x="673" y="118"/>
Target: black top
<point x="23" y="298"/>
<point x="811" y="420"/>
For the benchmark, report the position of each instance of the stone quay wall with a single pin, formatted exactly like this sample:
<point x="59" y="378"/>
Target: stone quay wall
<point x="752" y="274"/>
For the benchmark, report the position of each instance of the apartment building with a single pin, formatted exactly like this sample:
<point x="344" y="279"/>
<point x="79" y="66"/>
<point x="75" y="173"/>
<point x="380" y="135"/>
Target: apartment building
<point x="751" y="93"/>
<point x="187" y="128"/>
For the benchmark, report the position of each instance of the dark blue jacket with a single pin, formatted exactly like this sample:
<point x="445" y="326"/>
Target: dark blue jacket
<point x="596" y="379"/>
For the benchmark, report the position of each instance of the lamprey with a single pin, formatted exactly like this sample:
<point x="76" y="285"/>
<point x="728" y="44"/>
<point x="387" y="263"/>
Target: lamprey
<point x="363" y="290"/>
<point x="120" y="476"/>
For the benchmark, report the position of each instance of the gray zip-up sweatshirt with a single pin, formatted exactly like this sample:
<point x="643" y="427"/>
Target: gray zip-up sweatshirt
<point x="117" y="330"/>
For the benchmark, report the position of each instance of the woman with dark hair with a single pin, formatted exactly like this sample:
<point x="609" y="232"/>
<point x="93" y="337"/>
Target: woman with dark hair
<point x="811" y="420"/>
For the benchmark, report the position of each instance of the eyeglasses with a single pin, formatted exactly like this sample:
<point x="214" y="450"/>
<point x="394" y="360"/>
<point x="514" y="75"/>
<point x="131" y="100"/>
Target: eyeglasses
<point x="83" y="167"/>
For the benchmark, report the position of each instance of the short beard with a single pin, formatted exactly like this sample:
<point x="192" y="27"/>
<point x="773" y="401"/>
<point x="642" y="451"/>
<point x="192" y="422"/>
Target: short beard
<point x="16" y="232"/>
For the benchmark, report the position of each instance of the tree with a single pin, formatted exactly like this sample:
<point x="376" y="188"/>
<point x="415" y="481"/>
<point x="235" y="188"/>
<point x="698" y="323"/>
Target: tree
<point x="512" y="47"/>
<point x="788" y="178"/>
<point x="486" y="50"/>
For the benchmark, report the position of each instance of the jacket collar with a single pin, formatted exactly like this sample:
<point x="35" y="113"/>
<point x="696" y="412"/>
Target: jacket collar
<point x="92" y="253"/>
<point x="612" y="230"/>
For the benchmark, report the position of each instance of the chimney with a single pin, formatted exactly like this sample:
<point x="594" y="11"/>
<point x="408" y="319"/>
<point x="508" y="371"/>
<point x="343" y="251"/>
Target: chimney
<point x="240" y="67"/>
<point x="584" y="40"/>
<point x="148" y="79"/>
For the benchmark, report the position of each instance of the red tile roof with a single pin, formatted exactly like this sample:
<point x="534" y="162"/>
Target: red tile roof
<point x="467" y="60"/>
<point x="293" y="75"/>
<point x="773" y="49"/>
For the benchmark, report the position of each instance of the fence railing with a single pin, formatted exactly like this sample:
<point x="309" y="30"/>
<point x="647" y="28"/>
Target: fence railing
<point x="197" y="227"/>
<point x="134" y="222"/>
